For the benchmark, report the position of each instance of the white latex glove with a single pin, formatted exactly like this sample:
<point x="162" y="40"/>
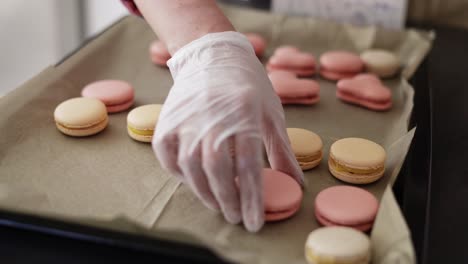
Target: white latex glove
<point x="222" y="97"/>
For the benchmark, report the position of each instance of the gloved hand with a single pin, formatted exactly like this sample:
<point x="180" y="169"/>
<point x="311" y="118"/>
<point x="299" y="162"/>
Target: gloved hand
<point x="222" y="98"/>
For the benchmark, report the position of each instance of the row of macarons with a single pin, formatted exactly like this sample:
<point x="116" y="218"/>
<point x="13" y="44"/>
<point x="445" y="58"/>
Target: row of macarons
<point x="352" y="160"/>
<point x="288" y="65"/>
<point x="334" y="65"/>
<point x="345" y="212"/>
<point x="340" y="205"/>
<point x="88" y="115"/>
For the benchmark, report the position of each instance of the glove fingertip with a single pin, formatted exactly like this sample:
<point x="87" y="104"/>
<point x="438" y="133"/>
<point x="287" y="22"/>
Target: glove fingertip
<point x="254" y="224"/>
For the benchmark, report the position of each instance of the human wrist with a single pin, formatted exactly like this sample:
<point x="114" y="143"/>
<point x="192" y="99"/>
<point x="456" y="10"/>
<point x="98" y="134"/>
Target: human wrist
<point x="178" y="23"/>
<point x="177" y="42"/>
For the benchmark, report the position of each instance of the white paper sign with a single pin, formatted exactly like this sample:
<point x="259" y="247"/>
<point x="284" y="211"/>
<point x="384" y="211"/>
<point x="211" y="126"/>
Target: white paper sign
<point x="384" y="13"/>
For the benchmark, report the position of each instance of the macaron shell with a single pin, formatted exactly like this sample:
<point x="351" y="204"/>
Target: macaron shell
<point x="158" y="48"/>
<point x="278" y="216"/>
<point x="258" y="43"/>
<point x="301" y="101"/>
<point x="159" y="61"/>
<point x="159" y="53"/>
<point x="314" y="162"/>
<point x="352" y="177"/>
<point x="287" y="49"/>
<point x="325" y="222"/>
<point x="115" y="94"/>
<point x="365" y="88"/>
<point x="293" y="90"/>
<point x="286" y="84"/>
<point x="84" y="131"/>
<point x="358" y="153"/>
<point x="368" y="78"/>
<point x="335" y="76"/>
<point x="304" y="142"/>
<point x="281" y="191"/>
<point x="347" y="206"/>
<point x="80" y="112"/>
<point x="307" y="147"/>
<point x="119" y="108"/>
<point x="381" y="106"/>
<point x="337" y="245"/>
<point x="290" y="58"/>
<point x="381" y="62"/>
<point x="301" y="72"/>
<point x="282" y="195"/>
<point x="144" y="117"/>
<point x="341" y="62"/>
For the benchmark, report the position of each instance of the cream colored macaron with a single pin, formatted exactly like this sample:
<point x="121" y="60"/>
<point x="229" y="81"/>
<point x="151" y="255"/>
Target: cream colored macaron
<point x="307" y="147"/>
<point x="381" y="62"/>
<point x="141" y="122"/>
<point x="357" y="160"/>
<point x="79" y="117"/>
<point x="337" y="244"/>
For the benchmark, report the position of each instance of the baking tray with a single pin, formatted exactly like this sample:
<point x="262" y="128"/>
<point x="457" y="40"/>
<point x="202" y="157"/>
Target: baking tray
<point x="69" y="80"/>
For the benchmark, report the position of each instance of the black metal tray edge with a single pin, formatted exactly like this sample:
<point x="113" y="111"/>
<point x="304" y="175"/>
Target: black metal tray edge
<point x="179" y="252"/>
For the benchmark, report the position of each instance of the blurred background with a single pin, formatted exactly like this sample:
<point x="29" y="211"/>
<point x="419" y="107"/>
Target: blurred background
<point x="36" y="34"/>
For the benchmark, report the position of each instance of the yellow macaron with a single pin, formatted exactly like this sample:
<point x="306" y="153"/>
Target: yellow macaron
<point x="141" y="122"/>
<point x="307" y="147"/>
<point x="357" y="160"/>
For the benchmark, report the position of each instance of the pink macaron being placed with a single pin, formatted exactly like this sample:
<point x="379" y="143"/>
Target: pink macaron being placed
<point x="365" y="90"/>
<point x="293" y="90"/>
<point x="289" y="58"/>
<point x="115" y="94"/>
<point x="336" y="65"/>
<point x="258" y="43"/>
<point x="346" y="206"/>
<point x="158" y="53"/>
<point x="282" y="195"/>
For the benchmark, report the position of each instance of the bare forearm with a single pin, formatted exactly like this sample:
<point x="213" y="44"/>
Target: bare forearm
<point x="178" y="22"/>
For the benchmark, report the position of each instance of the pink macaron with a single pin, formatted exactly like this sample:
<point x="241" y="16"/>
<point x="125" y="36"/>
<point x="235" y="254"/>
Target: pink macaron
<point x="293" y="90"/>
<point x="346" y="206"/>
<point x="365" y="90"/>
<point x="115" y="94"/>
<point x="282" y="195"/>
<point x="336" y="65"/>
<point x="158" y="53"/>
<point x="289" y="58"/>
<point x="258" y="43"/>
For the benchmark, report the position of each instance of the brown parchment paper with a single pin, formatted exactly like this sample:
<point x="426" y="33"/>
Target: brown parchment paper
<point x="100" y="179"/>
